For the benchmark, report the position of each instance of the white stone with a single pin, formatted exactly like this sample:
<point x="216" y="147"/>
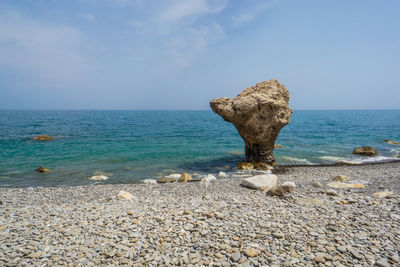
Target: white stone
<point x="175" y="176"/>
<point x="261" y="182"/>
<point x="222" y="175"/>
<point x="149" y="181"/>
<point x="98" y="178"/>
<point x="125" y="195"/>
<point x="382" y="194"/>
<point x="208" y="178"/>
<point x="290" y="184"/>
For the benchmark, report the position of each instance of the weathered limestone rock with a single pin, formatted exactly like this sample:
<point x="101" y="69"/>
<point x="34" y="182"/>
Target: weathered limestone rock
<point x="208" y="178"/>
<point x="261" y="182"/>
<point x="392" y="142"/>
<point x="185" y="178"/>
<point x="365" y="150"/>
<point x="382" y="194"/>
<point x="246" y="166"/>
<point x="42" y="170"/>
<point x="125" y="195"/>
<point x="43" y="137"/>
<point x="258" y="113"/>
<point x="280" y="191"/>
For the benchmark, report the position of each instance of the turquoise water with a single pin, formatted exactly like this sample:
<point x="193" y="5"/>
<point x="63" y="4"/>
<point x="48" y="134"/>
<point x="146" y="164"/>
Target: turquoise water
<point x="129" y="146"/>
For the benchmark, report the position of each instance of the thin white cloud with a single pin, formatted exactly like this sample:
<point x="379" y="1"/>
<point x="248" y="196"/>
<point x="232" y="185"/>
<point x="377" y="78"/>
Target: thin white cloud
<point x="250" y="13"/>
<point x="179" y="9"/>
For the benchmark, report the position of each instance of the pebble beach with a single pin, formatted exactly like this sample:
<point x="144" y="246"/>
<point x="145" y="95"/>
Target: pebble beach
<point x="218" y="223"/>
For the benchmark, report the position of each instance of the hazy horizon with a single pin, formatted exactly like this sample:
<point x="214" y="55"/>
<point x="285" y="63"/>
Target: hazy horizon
<point x="180" y="54"/>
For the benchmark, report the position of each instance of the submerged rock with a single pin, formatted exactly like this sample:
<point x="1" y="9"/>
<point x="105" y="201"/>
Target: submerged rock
<point x="261" y="182"/>
<point x="258" y="113"/>
<point x="392" y="142"/>
<point x="365" y="150"/>
<point x="42" y="170"/>
<point x="43" y="137"/>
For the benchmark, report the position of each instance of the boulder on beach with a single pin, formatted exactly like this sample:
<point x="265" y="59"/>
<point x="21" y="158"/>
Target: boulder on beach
<point x="365" y="150"/>
<point x="185" y="178"/>
<point x="208" y="178"/>
<point x="261" y="182"/>
<point x="392" y="142"/>
<point x="125" y="195"/>
<point x="345" y="185"/>
<point x="42" y="170"/>
<point x="43" y="137"/>
<point x="258" y="113"/>
<point x="222" y="175"/>
<point x="382" y="194"/>
<point x="280" y="191"/>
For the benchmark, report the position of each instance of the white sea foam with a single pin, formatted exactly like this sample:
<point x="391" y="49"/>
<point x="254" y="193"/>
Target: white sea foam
<point x="357" y="160"/>
<point x="293" y="159"/>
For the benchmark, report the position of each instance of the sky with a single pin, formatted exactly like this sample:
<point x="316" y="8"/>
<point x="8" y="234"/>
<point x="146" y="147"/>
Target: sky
<point x="180" y="54"/>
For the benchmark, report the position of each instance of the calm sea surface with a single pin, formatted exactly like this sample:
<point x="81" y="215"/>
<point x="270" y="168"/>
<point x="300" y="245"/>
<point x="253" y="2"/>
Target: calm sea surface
<point x="129" y="146"/>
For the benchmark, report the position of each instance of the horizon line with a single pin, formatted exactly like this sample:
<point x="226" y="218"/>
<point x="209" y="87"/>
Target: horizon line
<point x="73" y="109"/>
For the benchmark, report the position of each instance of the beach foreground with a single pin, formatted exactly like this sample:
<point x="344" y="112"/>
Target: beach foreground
<point x="217" y="223"/>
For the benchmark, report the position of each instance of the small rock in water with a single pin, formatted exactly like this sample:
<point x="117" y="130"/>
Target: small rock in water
<point x="280" y="191"/>
<point x="317" y="184"/>
<point x="340" y="178"/>
<point x="208" y="178"/>
<point x="278" y="146"/>
<point x="125" y="195"/>
<point x="382" y="194"/>
<point x="365" y="150"/>
<point x="185" y="178"/>
<point x="164" y="180"/>
<point x="42" y="170"/>
<point x="43" y="137"/>
<point x="149" y="181"/>
<point x="246" y="166"/>
<point x="222" y="175"/>
<point x="98" y="178"/>
<point x="261" y="182"/>
<point x="392" y="142"/>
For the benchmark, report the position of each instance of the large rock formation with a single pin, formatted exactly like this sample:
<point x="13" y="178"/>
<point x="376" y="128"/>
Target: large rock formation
<point x="258" y="113"/>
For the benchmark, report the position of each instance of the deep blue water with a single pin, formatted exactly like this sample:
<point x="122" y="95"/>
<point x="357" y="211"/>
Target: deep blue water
<point x="129" y="146"/>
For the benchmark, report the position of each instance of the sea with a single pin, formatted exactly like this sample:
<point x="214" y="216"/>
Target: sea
<point x="130" y="146"/>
